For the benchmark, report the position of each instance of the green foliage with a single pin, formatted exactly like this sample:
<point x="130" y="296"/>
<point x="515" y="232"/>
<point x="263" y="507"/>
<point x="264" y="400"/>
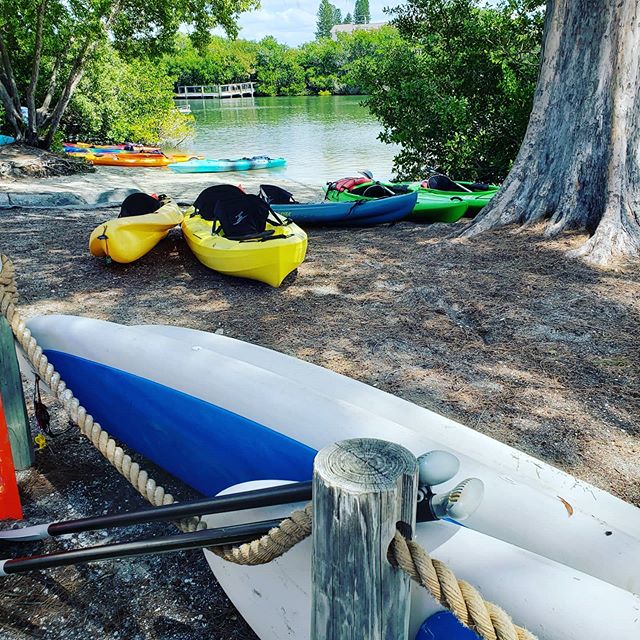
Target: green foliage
<point x="220" y="62"/>
<point x="278" y="70"/>
<point x="361" y="13"/>
<point x="119" y="101"/>
<point x="73" y="31"/>
<point x="456" y="93"/>
<point x="347" y="19"/>
<point x="323" y="65"/>
<point x="328" y="16"/>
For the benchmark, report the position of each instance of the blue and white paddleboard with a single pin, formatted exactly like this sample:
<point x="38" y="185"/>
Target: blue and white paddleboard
<point x="224" y="415"/>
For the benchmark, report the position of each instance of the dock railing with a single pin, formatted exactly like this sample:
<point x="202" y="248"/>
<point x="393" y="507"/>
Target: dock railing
<point x="220" y="91"/>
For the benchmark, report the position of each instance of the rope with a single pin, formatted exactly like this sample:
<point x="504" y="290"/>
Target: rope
<point x="91" y="429"/>
<point x="464" y="601"/>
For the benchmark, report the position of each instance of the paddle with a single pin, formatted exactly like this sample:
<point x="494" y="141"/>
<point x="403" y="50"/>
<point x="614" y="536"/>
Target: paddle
<point x="198" y="539"/>
<point x="270" y="496"/>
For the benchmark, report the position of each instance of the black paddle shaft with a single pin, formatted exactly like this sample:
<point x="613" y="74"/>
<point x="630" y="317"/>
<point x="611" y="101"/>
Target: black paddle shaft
<point x="208" y="537"/>
<point x="271" y="496"/>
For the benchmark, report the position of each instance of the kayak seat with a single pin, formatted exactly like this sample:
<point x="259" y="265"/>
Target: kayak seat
<point x="244" y="217"/>
<point x="272" y="194"/>
<point x="206" y="202"/>
<point x="440" y="182"/>
<point x="478" y="186"/>
<point x="138" y="204"/>
<point x="376" y="190"/>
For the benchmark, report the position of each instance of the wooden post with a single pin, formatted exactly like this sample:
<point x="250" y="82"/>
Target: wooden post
<point x="363" y="489"/>
<point x="13" y="400"/>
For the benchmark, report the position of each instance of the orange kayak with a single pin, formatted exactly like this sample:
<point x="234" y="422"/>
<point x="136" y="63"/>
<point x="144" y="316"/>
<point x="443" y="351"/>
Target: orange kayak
<point x="136" y="159"/>
<point x="117" y="160"/>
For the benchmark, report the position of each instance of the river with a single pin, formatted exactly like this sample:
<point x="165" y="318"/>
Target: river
<point x="322" y="138"/>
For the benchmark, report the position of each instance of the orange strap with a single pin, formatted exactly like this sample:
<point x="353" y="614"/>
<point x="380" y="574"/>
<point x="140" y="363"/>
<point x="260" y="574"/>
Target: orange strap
<point x="9" y="499"/>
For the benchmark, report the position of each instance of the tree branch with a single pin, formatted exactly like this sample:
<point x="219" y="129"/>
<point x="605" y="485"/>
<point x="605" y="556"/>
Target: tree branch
<point x="75" y="75"/>
<point x="11" y="86"/>
<point x="35" y="72"/>
<point x="13" y="116"/>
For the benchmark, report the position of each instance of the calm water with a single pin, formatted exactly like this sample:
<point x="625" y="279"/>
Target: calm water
<point x="322" y="138"/>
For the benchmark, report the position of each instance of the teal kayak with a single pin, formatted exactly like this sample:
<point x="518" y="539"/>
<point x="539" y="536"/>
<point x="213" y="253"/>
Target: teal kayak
<point x="226" y="164"/>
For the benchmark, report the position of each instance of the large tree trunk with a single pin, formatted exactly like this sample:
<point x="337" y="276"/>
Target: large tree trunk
<point x="578" y="167"/>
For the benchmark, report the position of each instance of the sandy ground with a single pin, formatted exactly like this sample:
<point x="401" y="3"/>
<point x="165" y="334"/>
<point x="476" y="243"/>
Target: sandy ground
<point x="503" y="333"/>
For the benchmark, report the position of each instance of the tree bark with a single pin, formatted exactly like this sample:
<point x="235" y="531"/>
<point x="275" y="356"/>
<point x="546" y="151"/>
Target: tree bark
<point x="32" y="133"/>
<point x="578" y="166"/>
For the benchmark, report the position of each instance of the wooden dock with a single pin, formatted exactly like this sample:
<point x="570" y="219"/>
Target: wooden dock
<point x="236" y="90"/>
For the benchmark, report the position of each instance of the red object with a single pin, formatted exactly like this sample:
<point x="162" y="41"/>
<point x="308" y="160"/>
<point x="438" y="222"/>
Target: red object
<point x="9" y="499"/>
<point x="346" y="184"/>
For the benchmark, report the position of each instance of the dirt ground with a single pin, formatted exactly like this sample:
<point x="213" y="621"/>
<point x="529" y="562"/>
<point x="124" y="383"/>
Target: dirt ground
<point x="504" y="333"/>
<point x="19" y="162"/>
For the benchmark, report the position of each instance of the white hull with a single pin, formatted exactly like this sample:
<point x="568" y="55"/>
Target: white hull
<point x="523" y="531"/>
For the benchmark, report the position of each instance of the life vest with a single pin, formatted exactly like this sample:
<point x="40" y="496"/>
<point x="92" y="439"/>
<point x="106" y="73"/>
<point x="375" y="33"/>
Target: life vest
<point x="346" y="184"/>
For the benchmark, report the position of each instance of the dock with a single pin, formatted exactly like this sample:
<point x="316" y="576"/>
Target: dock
<point x="220" y="91"/>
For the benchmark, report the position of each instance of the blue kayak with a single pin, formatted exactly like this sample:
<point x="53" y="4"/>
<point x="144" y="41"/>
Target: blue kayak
<point x="350" y="214"/>
<point x="225" y="164"/>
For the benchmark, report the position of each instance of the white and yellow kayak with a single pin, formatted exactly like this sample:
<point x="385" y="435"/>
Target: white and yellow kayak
<point x="268" y="259"/>
<point x="126" y="239"/>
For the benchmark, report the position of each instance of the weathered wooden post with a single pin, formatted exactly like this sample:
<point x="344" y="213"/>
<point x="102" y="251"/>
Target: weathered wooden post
<point x="363" y="490"/>
<point x="13" y="400"/>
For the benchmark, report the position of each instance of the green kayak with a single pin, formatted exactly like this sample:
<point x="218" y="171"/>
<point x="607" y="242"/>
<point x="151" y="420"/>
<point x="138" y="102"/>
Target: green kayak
<point x="429" y="207"/>
<point x="475" y="194"/>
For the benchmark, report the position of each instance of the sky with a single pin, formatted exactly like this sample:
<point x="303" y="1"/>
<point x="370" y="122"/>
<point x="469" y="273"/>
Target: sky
<point x="294" y="21"/>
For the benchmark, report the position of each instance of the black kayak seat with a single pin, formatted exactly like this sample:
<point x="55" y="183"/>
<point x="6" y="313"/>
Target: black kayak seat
<point x="206" y="202"/>
<point x="273" y="194"/>
<point x="138" y="204"/>
<point x="244" y="217"/>
<point x="441" y="182"/>
<point x="478" y="186"/>
<point x="378" y="190"/>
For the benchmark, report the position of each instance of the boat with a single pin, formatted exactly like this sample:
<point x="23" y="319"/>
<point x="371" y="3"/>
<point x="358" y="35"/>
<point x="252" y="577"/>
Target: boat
<point x="238" y="234"/>
<point x="130" y="160"/>
<point x="109" y="148"/>
<point x="224" y="416"/>
<point x="225" y="164"/>
<point x="186" y="109"/>
<point x="475" y="194"/>
<point x="143" y="221"/>
<point x="428" y="207"/>
<point x="343" y="214"/>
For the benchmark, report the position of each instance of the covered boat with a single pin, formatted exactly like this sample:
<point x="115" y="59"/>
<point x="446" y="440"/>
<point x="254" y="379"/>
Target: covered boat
<point x="238" y="234"/>
<point x="143" y="221"/>
<point x="342" y="214"/>
<point x="427" y="208"/>
<point x="225" y="164"/>
<point x="558" y="554"/>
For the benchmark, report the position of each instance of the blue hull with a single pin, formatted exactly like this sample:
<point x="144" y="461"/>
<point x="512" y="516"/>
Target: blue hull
<point x="355" y="214"/>
<point x="193" y="440"/>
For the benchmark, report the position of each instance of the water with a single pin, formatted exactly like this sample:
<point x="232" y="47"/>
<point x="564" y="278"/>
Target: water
<point x="322" y="138"/>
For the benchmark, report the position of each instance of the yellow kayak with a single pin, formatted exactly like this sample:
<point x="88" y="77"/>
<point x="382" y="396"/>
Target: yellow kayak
<point x="269" y="259"/>
<point x="129" y="237"/>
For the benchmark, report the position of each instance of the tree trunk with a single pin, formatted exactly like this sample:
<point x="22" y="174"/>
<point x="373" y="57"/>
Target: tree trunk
<point x="578" y="167"/>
